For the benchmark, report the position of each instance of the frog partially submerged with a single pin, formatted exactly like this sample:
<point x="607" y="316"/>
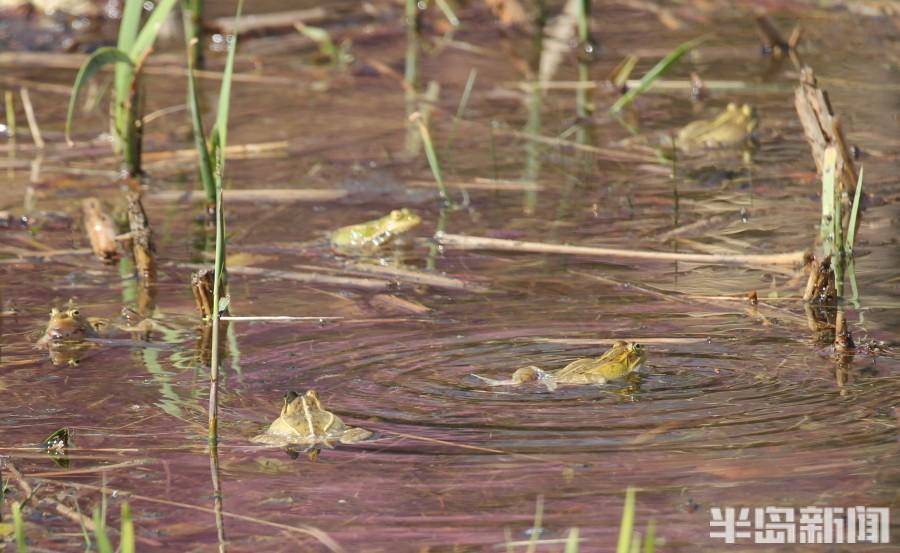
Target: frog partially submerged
<point x="70" y="326"/>
<point x="732" y="128"/>
<point x="304" y="422"/>
<point x="622" y="359"/>
<point x="368" y="238"/>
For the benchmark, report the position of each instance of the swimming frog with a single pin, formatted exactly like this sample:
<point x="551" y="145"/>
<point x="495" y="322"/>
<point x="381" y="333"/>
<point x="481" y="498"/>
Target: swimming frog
<point x="369" y="237"/>
<point x="303" y="421"/>
<point x="621" y="359"/>
<point x="733" y="127"/>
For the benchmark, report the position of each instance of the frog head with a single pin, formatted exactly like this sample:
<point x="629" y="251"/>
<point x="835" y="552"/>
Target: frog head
<point x="635" y="355"/>
<point x="68" y="325"/>
<point x="400" y="220"/>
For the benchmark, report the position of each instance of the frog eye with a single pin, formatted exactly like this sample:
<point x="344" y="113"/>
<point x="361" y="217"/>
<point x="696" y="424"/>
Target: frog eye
<point x="74" y="313"/>
<point x="289" y="397"/>
<point x="396" y="214"/>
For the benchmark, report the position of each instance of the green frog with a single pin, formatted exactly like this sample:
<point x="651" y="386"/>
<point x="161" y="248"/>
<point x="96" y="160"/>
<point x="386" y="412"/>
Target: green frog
<point x="622" y="359"/>
<point x="303" y="421"/>
<point x="732" y="128"/>
<point x="368" y="238"/>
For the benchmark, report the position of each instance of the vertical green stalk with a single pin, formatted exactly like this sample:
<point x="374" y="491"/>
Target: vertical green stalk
<point x="586" y="52"/>
<point x="411" y="74"/>
<point x="192" y="18"/>
<point x="411" y="71"/>
<point x="126" y="539"/>
<point x="19" y="528"/>
<point x="626" y="527"/>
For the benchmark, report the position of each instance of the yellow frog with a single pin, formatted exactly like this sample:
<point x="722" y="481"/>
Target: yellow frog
<point x="367" y="238"/>
<point x="303" y="421"/>
<point x="621" y="359"/>
<point x="731" y="128"/>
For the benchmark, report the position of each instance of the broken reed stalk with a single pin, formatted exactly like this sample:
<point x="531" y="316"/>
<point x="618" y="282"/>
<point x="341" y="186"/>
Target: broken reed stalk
<point x="101" y="230"/>
<point x="202" y="286"/>
<point x="458" y="241"/>
<point x="824" y="134"/>
<point x="822" y="129"/>
<point x="32" y="119"/>
<point x="141" y="239"/>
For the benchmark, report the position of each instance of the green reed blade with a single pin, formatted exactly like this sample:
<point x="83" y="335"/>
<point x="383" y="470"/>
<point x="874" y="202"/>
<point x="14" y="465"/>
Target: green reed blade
<point x="147" y="36"/>
<point x="100" y="57"/>
<point x="103" y="544"/>
<point x="128" y="31"/>
<point x="205" y="162"/>
<point x="650" y="539"/>
<point x="655" y="72"/>
<point x="626" y="527"/>
<point x="572" y="541"/>
<point x="129" y="24"/>
<point x="854" y="213"/>
<point x="220" y="128"/>
<point x="448" y="12"/>
<point x="431" y="155"/>
<point x="19" y="528"/>
<point x="126" y="540"/>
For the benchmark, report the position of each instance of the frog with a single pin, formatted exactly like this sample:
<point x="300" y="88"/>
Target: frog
<point x="732" y="128"/>
<point x="621" y="360"/>
<point x="368" y="238"/>
<point x="70" y="326"/>
<point x="303" y="421"/>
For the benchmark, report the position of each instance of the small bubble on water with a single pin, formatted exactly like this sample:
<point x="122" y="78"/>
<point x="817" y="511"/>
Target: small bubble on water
<point x="148" y="6"/>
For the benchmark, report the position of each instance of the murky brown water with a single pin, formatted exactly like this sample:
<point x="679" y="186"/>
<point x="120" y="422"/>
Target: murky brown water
<point x="735" y="406"/>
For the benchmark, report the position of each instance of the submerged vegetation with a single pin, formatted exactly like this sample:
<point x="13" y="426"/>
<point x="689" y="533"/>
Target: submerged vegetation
<point x="469" y="272"/>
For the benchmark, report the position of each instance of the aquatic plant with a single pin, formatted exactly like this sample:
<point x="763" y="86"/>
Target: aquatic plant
<point x="431" y="154"/>
<point x="657" y="71"/>
<point x="101" y="538"/>
<point x="338" y="55"/>
<point x="211" y="152"/>
<point x="629" y="540"/>
<point x="192" y="18"/>
<point x="211" y="157"/>
<point x="132" y="48"/>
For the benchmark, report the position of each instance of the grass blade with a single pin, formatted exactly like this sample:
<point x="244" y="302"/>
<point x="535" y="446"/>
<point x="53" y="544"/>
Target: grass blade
<point x="655" y="72"/>
<point x="206" y="167"/>
<point x="103" y="544"/>
<point x="626" y="527"/>
<point x="100" y="57"/>
<point x="220" y="128"/>
<point x="431" y="155"/>
<point x="19" y="526"/>
<point x="147" y="36"/>
<point x="126" y="543"/>
<point x="572" y="545"/>
<point x="650" y="540"/>
<point x="129" y="25"/>
<point x="854" y="213"/>
<point x="128" y="31"/>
